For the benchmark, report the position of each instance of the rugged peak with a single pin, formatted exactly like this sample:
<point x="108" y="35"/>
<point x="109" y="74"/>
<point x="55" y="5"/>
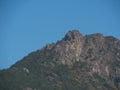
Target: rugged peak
<point x="91" y="62"/>
<point x="69" y="48"/>
<point x="72" y="35"/>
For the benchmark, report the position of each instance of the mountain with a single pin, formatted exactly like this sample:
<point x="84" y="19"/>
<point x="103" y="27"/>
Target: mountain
<point x="76" y="62"/>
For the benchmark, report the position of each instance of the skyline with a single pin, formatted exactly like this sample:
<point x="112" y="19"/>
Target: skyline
<point x="28" y="25"/>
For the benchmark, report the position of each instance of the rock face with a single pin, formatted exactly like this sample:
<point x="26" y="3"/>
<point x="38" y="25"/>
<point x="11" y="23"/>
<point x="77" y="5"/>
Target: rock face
<point x="76" y="62"/>
<point x="69" y="49"/>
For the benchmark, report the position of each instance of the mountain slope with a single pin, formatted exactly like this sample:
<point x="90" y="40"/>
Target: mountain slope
<point x="76" y="62"/>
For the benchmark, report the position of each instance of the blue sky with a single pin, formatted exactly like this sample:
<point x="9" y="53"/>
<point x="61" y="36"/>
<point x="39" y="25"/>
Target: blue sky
<point x="28" y="25"/>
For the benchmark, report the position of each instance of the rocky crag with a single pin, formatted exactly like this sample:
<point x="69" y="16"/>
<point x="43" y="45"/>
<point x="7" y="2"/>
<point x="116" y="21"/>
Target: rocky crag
<point x="76" y="62"/>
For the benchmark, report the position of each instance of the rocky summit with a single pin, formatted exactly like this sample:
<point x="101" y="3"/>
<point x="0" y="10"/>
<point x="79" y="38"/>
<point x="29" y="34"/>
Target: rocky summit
<point x="76" y="62"/>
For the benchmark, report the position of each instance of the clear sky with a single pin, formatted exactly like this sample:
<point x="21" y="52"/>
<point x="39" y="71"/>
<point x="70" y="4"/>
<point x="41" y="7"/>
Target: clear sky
<point x="28" y="25"/>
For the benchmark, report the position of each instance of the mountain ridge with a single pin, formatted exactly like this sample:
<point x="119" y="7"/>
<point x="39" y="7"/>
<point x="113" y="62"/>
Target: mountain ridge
<point x="76" y="62"/>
